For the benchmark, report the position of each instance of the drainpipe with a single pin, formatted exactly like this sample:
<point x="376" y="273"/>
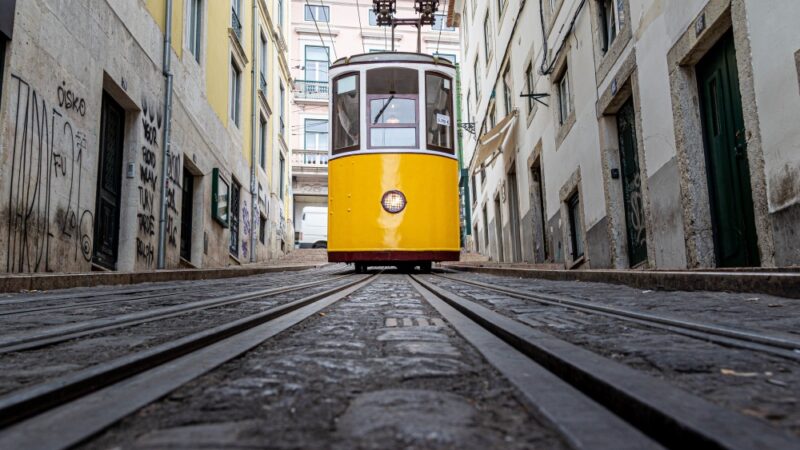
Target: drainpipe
<point x="463" y="173"/>
<point x="162" y="222"/>
<point x="253" y="192"/>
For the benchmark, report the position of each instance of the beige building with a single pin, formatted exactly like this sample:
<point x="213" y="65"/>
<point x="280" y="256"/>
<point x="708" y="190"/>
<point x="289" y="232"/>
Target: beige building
<point x="633" y="133"/>
<point x="125" y="147"/>
<point x="323" y="31"/>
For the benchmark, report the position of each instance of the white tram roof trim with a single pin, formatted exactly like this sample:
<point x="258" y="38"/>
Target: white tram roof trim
<point x="391" y="57"/>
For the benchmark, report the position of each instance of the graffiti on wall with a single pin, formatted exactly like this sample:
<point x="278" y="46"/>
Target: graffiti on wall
<point x="49" y="220"/>
<point x="245" y="228"/>
<point x="152" y="119"/>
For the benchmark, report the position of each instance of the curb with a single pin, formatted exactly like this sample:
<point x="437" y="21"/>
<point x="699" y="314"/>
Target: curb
<point x="45" y="282"/>
<point x="781" y="284"/>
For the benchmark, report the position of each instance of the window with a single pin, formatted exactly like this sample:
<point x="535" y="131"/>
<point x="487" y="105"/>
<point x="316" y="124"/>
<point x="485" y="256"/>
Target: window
<point x="220" y="192"/>
<point x="474" y="7"/>
<point x="474" y="188"/>
<point x="469" y="109"/>
<point x="195" y="30"/>
<point x="346" y="114"/>
<point x="263" y="63"/>
<point x="317" y="62"/>
<point x="440" y="23"/>
<point x="316" y="134"/>
<point x="508" y="101"/>
<point x="236" y="14"/>
<point x="282" y="180"/>
<point x="280" y="14"/>
<point x="282" y="110"/>
<point x="483" y="176"/>
<point x="529" y="85"/>
<point x="492" y="116"/>
<point x="485" y="226"/>
<point x="465" y="30"/>
<point x="501" y="4"/>
<point x="236" y="190"/>
<point x="487" y="38"/>
<point x="392" y="95"/>
<point x="564" y="106"/>
<point x="448" y="56"/>
<point x="609" y="23"/>
<point x="262" y="143"/>
<point x="477" y="73"/>
<point x="576" y="231"/>
<point x="439" y="112"/>
<point x="236" y="89"/>
<point x="373" y="19"/>
<point x="317" y="13"/>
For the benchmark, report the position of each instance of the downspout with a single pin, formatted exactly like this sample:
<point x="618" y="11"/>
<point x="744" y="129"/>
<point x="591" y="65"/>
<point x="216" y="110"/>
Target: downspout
<point x="167" y="64"/>
<point x="253" y="192"/>
<point x="463" y="173"/>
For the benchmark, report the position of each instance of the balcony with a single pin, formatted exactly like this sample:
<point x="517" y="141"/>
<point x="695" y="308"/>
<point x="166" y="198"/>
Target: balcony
<point x="309" y="162"/>
<point x="311" y="90"/>
<point x="236" y="24"/>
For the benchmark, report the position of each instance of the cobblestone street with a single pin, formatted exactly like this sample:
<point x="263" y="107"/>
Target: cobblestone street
<point x="323" y="358"/>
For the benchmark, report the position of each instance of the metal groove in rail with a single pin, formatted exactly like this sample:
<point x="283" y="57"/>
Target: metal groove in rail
<point x="750" y="340"/>
<point x="53" y="335"/>
<point x="63" y="412"/>
<point x="671" y="416"/>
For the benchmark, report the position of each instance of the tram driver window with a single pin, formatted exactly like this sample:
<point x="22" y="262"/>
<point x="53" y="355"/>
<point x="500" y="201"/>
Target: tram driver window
<point x="438" y="112"/>
<point x="392" y="95"/>
<point x="346" y="123"/>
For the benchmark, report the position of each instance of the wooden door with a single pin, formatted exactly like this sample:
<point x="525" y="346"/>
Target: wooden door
<point x="730" y="193"/>
<point x="109" y="183"/>
<point x="635" y="228"/>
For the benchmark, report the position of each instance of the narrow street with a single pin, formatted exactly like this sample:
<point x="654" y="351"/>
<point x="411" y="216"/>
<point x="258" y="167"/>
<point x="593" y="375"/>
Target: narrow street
<point x="324" y="358"/>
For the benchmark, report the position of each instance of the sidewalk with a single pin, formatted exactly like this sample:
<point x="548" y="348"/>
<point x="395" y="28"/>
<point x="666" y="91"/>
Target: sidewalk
<point x="295" y="261"/>
<point x="783" y="282"/>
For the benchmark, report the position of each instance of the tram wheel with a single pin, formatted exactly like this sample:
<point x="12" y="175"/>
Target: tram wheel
<point x="425" y="267"/>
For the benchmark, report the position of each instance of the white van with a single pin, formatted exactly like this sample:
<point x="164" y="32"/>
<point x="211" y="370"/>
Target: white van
<point x="314" y="227"/>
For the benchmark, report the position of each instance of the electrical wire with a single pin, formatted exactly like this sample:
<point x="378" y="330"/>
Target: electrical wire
<point x="546" y="69"/>
<point x="330" y="34"/>
<point x="321" y="41"/>
<point x="441" y="25"/>
<point x="358" y="10"/>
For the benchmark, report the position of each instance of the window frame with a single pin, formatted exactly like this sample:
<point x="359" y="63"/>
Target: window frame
<point x="529" y="85"/>
<point x="605" y="31"/>
<point x="508" y="102"/>
<point x="195" y="28"/>
<point x="314" y="17"/>
<point x="306" y="132"/>
<point x="332" y="130"/>
<point x="282" y="110"/>
<point x="450" y="106"/>
<point x="263" y="56"/>
<point x="306" y="60"/>
<point x="563" y="89"/>
<point x="282" y="176"/>
<point x="216" y="181"/>
<point x="487" y="32"/>
<point x="371" y="126"/>
<point x="441" y="25"/>
<point x="235" y="93"/>
<point x="262" y="137"/>
<point x="576" y="241"/>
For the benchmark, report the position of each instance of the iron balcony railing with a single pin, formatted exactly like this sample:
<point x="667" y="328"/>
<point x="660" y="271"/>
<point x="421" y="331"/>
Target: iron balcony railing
<point x="236" y="24"/>
<point x="313" y="90"/>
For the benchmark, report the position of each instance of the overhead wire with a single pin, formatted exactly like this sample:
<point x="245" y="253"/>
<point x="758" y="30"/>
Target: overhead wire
<point x="330" y="34"/>
<point x="358" y="10"/>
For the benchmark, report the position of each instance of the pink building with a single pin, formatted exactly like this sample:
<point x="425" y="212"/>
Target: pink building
<point x="322" y="32"/>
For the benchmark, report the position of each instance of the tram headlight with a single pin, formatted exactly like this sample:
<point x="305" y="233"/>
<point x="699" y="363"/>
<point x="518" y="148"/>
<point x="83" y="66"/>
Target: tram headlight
<point x="393" y="201"/>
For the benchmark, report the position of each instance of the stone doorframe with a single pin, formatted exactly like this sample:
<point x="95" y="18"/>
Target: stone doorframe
<point x="571" y="187"/>
<point x="716" y="19"/>
<point x="624" y="85"/>
<point x="539" y="223"/>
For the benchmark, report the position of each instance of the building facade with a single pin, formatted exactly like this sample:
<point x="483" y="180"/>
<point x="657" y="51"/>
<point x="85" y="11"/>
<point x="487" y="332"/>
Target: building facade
<point x="117" y="155"/>
<point x="633" y="133"/>
<point x="323" y="31"/>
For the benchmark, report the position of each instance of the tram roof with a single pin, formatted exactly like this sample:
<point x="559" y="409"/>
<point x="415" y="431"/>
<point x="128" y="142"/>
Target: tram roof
<point x="391" y="57"/>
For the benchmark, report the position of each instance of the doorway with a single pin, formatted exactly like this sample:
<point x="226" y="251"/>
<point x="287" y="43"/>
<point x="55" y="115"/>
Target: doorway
<point x="513" y="216"/>
<point x="498" y="221"/>
<point x="731" y="199"/>
<point x="109" y="184"/>
<point x="541" y="251"/>
<point x="187" y="198"/>
<point x="635" y="228"/>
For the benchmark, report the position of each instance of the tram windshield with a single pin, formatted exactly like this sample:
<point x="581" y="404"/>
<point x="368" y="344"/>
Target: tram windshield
<point x="392" y="95"/>
<point x="346" y="113"/>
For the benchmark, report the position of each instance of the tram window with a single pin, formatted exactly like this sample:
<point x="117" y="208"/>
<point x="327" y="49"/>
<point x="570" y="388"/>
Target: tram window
<point x="346" y="113"/>
<point x="438" y="112"/>
<point x="392" y="95"/>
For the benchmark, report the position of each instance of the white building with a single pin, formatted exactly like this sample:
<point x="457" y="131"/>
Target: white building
<point x="666" y="136"/>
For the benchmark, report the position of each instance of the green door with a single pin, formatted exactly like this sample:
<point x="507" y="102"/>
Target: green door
<point x="631" y="185"/>
<point x="726" y="157"/>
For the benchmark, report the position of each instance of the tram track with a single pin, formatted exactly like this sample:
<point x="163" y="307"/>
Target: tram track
<point x="42" y="337"/>
<point x="63" y="412"/>
<point x="123" y="300"/>
<point x="782" y="346"/>
<point x="672" y="417"/>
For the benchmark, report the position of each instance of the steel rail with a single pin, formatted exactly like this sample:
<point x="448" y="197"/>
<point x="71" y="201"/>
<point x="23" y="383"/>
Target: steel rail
<point x="671" y="416"/>
<point x="121" y="299"/>
<point x="90" y="291"/>
<point x="61" y="333"/>
<point x="28" y="402"/>
<point x="751" y="340"/>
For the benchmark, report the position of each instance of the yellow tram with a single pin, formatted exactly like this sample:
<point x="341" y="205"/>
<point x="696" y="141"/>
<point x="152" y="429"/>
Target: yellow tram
<point x="393" y="173"/>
